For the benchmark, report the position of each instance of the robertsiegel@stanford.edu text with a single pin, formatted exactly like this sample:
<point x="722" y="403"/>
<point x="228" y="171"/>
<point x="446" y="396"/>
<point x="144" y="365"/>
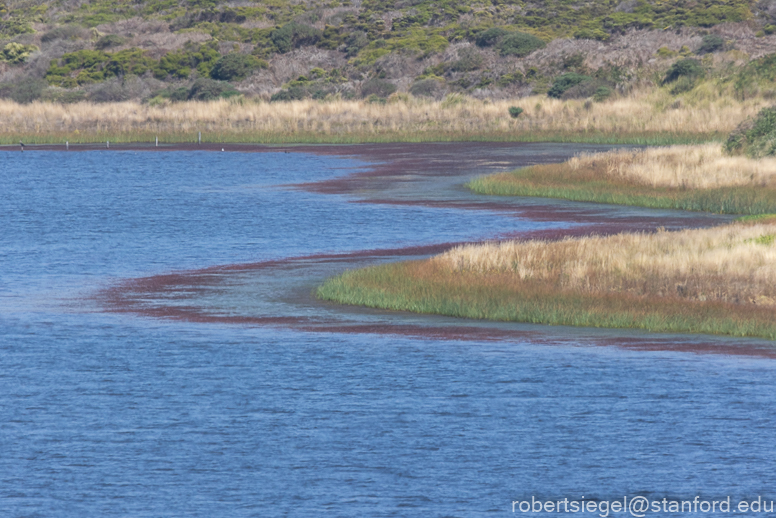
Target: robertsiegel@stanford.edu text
<point x="640" y="506"/>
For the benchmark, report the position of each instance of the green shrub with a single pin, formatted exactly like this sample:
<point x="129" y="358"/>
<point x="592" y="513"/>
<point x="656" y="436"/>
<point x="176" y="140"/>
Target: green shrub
<point x="758" y="71"/>
<point x="205" y="89"/>
<point x="519" y="44"/>
<point x="180" y="63"/>
<point x="24" y="91"/>
<point x="665" y="53"/>
<point x="511" y="78"/>
<point x="515" y="111"/>
<point x="585" y="89"/>
<point x="13" y="26"/>
<point x="682" y="85"/>
<point x="92" y="66"/>
<point x="565" y="82"/>
<point x="127" y="62"/>
<point x="591" y="34"/>
<point x="180" y="93"/>
<point x="378" y="87"/>
<point x="755" y="138"/>
<point x="16" y="53"/>
<point x="711" y="43"/>
<point x="425" y="88"/>
<point x="490" y="37"/>
<point x="63" y="32"/>
<point x="295" y="93"/>
<point x="236" y="67"/>
<point x="687" y="67"/>
<point x="602" y="93"/>
<point x="469" y="59"/>
<point x="111" y="40"/>
<point x="293" y="35"/>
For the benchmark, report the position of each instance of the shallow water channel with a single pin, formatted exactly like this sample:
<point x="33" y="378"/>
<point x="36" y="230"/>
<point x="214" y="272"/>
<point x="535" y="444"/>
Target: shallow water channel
<point x="161" y="353"/>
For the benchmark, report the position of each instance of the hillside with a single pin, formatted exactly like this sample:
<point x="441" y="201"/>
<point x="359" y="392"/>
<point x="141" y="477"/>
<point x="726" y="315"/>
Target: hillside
<point x="159" y="50"/>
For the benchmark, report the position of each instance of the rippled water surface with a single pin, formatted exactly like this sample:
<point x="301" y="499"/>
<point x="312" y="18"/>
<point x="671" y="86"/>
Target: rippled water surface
<point x="161" y="353"/>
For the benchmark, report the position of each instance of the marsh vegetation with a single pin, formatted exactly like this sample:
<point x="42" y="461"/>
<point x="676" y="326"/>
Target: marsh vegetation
<point x="697" y="177"/>
<point x="642" y="118"/>
<point x="719" y="280"/>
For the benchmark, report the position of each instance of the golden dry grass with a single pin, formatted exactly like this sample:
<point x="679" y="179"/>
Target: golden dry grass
<point x="693" y="167"/>
<point x="697" y="178"/>
<point x="735" y="263"/>
<point x="718" y="280"/>
<point x="402" y="117"/>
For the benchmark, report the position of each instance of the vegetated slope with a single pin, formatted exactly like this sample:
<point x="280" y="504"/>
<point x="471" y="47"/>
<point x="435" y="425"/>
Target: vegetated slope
<point x="109" y="50"/>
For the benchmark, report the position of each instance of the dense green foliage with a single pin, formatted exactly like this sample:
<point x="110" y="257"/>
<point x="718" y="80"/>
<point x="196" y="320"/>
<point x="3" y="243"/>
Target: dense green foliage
<point x="91" y="66"/>
<point x="16" y="53"/>
<point x="293" y="35"/>
<point x="755" y="138"/>
<point x="566" y="82"/>
<point x="687" y="67"/>
<point x="97" y="41"/>
<point x="683" y="75"/>
<point x="180" y="63"/>
<point x="518" y="44"/>
<point x="711" y="43"/>
<point x="234" y="66"/>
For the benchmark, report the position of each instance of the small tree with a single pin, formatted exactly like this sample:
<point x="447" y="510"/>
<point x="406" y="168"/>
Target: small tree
<point x="566" y="82"/>
<point x="236" y="67"/>
<point x="489" y="37"/>
<point x="515" y="111"/>
<point x="711" y="43"/>
<point x="519" y="44"/>
<point x="378" y="87"/>
<point x="205" y="89"/>
<point x="687" y="67"/>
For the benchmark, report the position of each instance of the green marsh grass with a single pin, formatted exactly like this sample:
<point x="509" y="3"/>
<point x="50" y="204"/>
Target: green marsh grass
<point x="711" y="281"/>
<point x="695" y="178"/>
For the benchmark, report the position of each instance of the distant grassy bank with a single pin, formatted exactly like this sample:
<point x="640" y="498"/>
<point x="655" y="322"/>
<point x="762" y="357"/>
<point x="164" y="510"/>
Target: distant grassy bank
<point x="717" y="281"/>
<point x="698" y="178"/>
<point x="643" y="118"/>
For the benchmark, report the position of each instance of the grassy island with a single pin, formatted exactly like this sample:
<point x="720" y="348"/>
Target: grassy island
<point x="719" y="281"/>
<point x="698" y="178"/>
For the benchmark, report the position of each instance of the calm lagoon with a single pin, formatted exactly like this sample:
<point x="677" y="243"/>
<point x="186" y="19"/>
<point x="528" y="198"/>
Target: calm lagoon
<point x="161" y="353"/>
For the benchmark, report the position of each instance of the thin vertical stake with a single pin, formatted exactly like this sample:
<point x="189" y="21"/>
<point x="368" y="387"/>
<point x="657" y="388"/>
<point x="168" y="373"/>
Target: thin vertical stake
<point x="157" y="141"/>
<point x="67" y="145"/>
<point x="107" y="143"/>
<point x="199" y="138"/>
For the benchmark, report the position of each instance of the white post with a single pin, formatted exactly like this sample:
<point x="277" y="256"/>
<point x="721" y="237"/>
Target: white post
<point x="67" y="145"/>
<point x="157" y="141"/>
<point x="107" y="143"/>
<point x="199" y="138"/>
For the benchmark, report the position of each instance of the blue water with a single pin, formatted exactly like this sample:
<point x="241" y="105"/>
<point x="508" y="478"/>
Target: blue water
<point x="106" y="414"/>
